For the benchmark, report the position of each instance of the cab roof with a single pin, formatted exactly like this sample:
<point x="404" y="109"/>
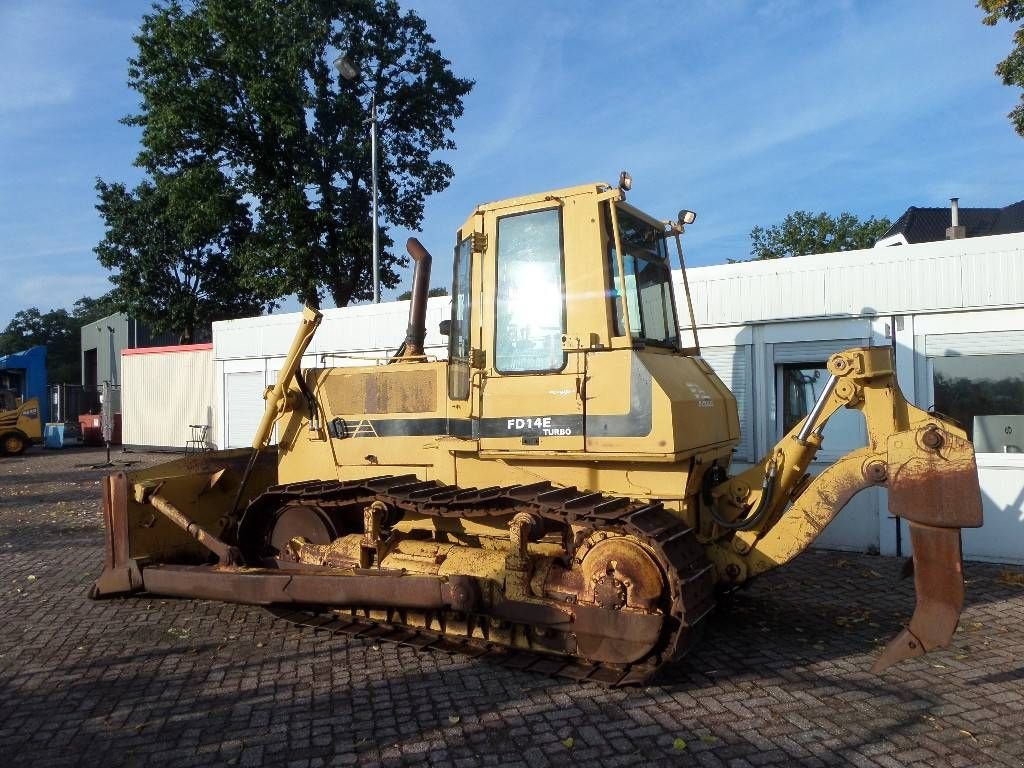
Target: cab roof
<point x="592" y="188"/>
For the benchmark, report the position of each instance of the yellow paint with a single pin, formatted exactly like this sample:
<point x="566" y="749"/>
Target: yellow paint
<point x="23" y="421"/>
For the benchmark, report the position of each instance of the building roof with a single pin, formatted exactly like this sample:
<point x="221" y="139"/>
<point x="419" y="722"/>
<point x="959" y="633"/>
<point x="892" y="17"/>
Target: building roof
<point x="928" y="225"/>
<point x="1011" y="219"/>
<point x="941" y="276"/>
<point x="24" y="358"/>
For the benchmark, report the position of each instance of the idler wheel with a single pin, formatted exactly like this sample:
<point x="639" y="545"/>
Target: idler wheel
<point x="300" y="520"/>
<point x="619" y="572"/>
<point x="625" y="586"/>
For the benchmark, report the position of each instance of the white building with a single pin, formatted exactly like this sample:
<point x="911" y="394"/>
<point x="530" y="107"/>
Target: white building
<point x="249" y="352"/>
<point x="165" y="391"/>
<point x="952" y="310"/>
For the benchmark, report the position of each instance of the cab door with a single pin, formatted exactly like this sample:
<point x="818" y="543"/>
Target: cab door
<point x="531" y="393"/>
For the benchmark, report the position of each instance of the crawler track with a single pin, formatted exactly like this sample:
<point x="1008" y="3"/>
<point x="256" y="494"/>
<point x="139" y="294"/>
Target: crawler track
<point x="681" y="558"/>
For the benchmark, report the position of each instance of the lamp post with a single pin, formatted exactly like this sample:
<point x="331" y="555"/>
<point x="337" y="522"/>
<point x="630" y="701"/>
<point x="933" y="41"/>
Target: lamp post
<point x="348" y="71"/>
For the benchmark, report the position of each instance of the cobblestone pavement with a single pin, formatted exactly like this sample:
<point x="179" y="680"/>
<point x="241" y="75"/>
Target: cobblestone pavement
<point x="780" y="678"/>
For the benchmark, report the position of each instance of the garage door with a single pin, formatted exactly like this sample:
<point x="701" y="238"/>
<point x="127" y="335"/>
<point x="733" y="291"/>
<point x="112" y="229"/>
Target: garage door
<point x="243" y="397"/>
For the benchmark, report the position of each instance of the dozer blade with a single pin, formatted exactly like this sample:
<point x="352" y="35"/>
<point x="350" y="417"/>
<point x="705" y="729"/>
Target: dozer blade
<point x="933" y="484"/>
<point x="198" y="491"/>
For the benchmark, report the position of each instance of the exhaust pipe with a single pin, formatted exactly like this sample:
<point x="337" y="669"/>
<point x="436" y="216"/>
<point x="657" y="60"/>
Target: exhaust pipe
<point x="417" y="330"/>
<point x="956" y="230"/>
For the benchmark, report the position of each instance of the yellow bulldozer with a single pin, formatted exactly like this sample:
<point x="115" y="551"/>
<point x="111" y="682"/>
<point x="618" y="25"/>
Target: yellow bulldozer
<point x="20" y="425"/>
<point x="555" y="494"/>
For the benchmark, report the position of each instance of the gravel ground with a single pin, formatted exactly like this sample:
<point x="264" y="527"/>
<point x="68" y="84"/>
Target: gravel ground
<point x="780" y="678"/>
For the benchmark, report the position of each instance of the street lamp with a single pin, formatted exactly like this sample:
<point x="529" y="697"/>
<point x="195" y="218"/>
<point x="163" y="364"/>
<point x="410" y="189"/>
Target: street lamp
<point x="349" y="72"/>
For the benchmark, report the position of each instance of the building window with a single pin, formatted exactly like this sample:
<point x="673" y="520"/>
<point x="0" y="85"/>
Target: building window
<point x="530" y="312"/>
<point x="800" y="385"/>
<point x="985" y="394"/>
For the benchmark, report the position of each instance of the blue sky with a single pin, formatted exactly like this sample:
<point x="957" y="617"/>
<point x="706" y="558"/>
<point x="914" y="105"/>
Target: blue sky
<point x="742" y="111"/>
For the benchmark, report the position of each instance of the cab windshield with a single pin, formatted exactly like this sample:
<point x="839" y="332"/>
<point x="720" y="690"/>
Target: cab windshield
<point x="652" y="312"/>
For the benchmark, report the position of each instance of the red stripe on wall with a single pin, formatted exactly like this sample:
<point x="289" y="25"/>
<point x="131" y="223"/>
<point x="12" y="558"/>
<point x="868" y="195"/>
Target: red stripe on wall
<point x="177" y="348"/>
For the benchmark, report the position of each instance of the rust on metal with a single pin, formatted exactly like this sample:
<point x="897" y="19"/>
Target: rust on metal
<point x="609" y="592"/>
<point x="523" y="527"/>
<point x="615" y="636"/>
<point x="934" y="486"/>
<point x="939" y="583"/>
<point x="668" y="594"/>
<point x="199" y="478"/>
<point x="225" y="553"/>
<point x="417" y="330"/>
<point x="301" y="521"/>
<point x="876" y="472"/>
<point x="617" y="567"/>
<point x="932" y="438"/>
<point x="534" y="613"/>
<point x="271" y="586"/>
<point x="383" y="391"/>
<point x="120" y="574"/>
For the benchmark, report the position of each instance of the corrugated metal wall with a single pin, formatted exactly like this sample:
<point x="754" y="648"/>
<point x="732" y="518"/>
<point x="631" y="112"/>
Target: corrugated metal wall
<point x="375" y="329"/>
<point x="107" y="336"/>
<point x="932" y="299"/>
<point x="926" y="277"/>
<point x="249" y="352"/>
<point x="163" y="393"/>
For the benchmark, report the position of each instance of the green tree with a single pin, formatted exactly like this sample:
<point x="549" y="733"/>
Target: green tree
<point x="438" y="291"/>
<point x="802" y="233"/>
<point x="1010" y="69"/>
<point x="249" y="84"/>
<point x="88" y="310"/>
<point x="177" y="246"/>
<point x="59" y="331"/>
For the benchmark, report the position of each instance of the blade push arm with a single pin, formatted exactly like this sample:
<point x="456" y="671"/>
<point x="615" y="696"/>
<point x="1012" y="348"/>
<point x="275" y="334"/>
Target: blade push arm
<point x="277" y="396"/>
<point x="769" y="514"/>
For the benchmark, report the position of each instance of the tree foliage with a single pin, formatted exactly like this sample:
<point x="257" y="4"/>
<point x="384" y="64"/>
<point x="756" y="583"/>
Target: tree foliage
<point x="1010" y="69"/>
<point x="250" y="86"/>
<point x="802" y="233"/>
<point x="177" y="246"/>
<point x="437" y="291"/>
<point x="59" y="331"/>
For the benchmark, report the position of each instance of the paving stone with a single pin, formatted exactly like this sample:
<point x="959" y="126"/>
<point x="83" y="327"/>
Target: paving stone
<point x="779" y="679"/>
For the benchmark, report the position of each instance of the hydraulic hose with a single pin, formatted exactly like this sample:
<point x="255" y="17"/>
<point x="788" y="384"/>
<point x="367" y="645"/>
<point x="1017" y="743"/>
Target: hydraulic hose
<point x="754" y="518"/>
<point x="311" y="403"/>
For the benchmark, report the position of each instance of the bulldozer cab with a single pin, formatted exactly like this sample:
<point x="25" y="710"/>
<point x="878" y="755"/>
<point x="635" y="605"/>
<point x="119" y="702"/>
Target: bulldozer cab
<point x="549" y="292"/>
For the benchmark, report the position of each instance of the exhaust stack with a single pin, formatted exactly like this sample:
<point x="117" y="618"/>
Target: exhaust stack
<point x="955" y="231"/>
<point x="417" y="330"/>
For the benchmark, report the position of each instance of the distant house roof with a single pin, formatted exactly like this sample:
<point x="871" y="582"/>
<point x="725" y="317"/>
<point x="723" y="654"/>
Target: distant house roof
<point x="926" y="225"/>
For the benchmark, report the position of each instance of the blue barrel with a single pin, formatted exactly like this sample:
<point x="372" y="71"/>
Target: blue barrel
<point x="53" y="435"/>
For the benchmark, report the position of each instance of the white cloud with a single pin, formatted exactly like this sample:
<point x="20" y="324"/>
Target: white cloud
<point x="53" y="291"/>
<point x="31" y="72"/>
<point x="48" y="57"/>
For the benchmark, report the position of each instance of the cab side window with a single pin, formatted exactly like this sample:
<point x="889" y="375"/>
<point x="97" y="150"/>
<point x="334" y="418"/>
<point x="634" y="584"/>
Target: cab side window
<point x="530" y="311"/>
<point x="458" y="333"/>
